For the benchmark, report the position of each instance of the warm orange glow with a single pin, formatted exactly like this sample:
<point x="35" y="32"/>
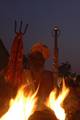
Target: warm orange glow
<point x="56" y="103"/>
<point x="21" y="107"/>
<point x="25" y="104"/>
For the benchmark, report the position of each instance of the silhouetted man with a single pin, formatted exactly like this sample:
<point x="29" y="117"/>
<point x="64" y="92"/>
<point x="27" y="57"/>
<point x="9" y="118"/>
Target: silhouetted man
<point x="37" y="76"/>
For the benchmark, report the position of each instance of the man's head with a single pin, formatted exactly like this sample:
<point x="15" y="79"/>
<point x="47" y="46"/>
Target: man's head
<point x="38" y="55"/>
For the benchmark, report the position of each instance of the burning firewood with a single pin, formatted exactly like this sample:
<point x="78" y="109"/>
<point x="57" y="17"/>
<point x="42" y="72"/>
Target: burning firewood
<point x="43" y="115"/>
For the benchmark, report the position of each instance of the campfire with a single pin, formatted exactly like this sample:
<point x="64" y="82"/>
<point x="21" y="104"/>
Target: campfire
<point x="21" y="107"/>
<point x="24" y="104"/>
<point x="56" y="103"/>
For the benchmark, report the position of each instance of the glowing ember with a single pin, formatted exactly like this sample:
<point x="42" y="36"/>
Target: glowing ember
<point x="56" y="103"/>
<point x="21" y="107"/>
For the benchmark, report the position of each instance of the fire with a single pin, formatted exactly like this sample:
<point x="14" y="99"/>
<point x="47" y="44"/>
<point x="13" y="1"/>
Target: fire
<point x="25" y="104"/>
<point x="21" y="107"/>
<point x="56" y="104"/>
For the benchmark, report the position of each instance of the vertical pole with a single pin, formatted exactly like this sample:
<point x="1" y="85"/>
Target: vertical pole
<point x="56" y="33"/>
<point x="55" y="55"/>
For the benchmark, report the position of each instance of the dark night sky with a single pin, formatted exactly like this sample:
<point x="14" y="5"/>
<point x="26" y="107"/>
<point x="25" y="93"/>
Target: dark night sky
<point x="42" y="15"/>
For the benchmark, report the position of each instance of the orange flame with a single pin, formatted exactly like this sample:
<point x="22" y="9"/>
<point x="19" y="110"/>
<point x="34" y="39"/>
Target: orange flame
<point x="24" y="105"/>
<point x="21" y="107"/>
<point x="56" y="103"/>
